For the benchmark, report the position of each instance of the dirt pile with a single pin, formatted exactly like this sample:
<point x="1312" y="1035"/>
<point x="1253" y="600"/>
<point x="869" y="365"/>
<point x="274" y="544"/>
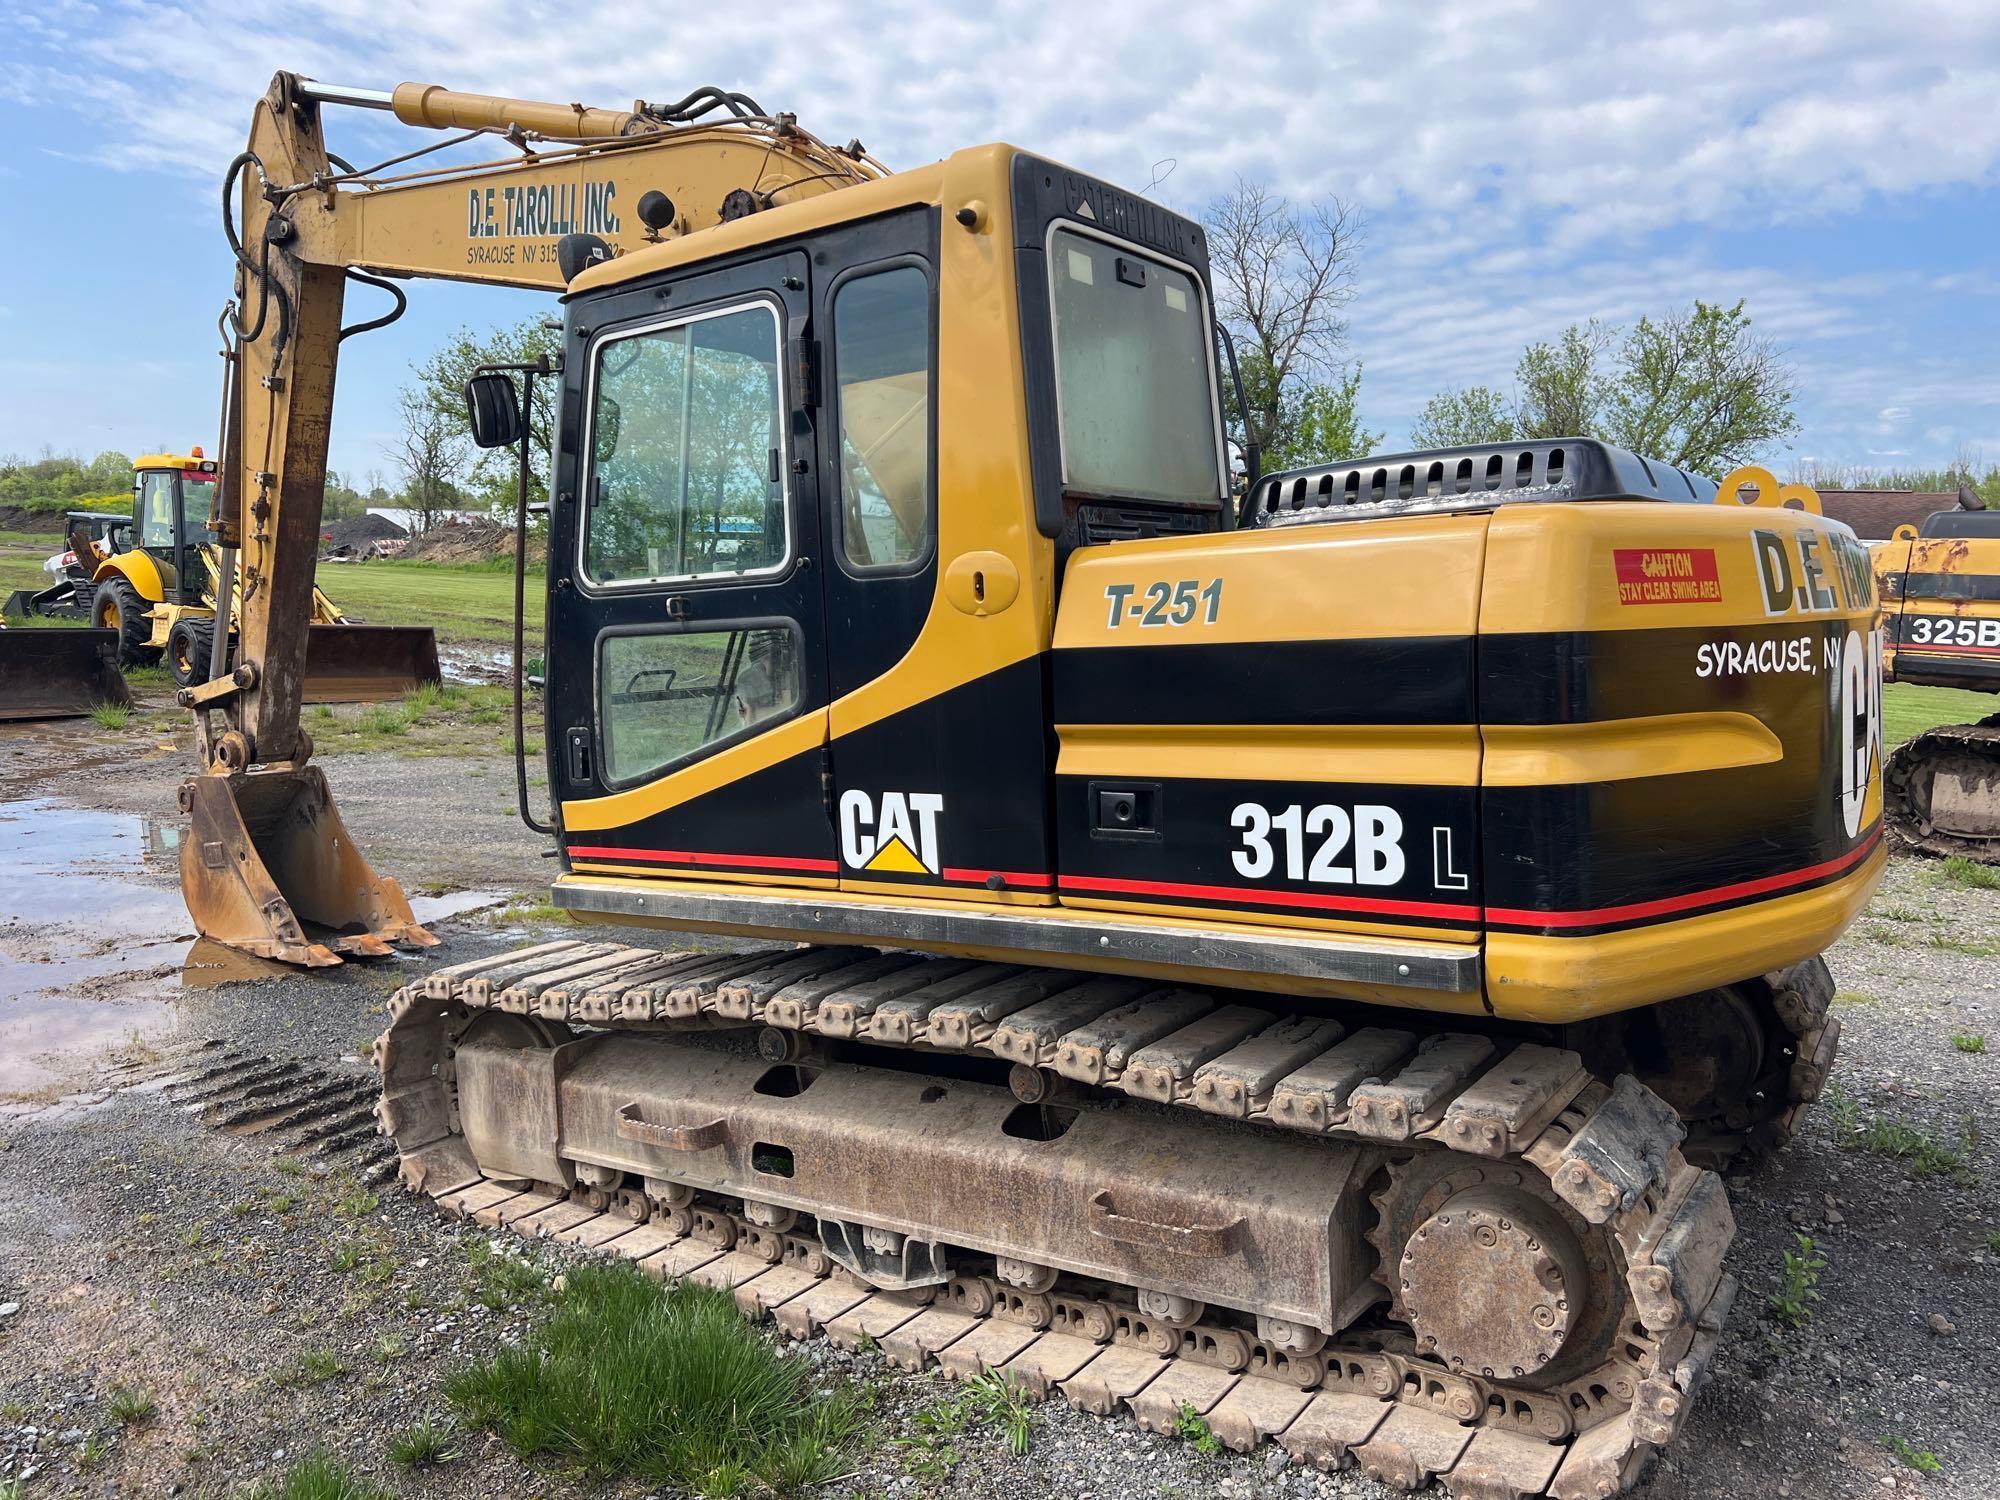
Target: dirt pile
<point x="39" y="522"/>
<point x="469" y="539"/>
<point x="356" y="532"/>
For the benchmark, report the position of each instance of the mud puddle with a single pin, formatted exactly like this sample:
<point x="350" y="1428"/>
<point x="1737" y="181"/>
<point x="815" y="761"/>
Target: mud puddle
<point x="96" y="944"/>
<point x="92" y="939"/>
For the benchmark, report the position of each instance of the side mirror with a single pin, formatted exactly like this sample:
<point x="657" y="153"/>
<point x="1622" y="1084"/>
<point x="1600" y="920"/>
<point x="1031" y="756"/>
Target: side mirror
<point x="493" y="408"/>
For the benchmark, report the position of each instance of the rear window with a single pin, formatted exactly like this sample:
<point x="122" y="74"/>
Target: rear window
<point x="1134" y="381"/>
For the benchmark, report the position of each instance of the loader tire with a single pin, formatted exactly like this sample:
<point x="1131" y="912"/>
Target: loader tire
<point x="120" y="607"/>
<point x="188" y="647"/>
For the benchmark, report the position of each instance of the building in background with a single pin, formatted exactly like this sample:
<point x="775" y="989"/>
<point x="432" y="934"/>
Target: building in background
<point x="1875" y="514"/>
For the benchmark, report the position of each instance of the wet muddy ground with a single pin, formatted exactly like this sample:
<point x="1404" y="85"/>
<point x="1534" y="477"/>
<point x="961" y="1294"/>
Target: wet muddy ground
<point x="140" y="1248"/>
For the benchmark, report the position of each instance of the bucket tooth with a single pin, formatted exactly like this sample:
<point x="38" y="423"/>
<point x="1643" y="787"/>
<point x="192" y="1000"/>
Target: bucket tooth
<point x="269" y="868"/>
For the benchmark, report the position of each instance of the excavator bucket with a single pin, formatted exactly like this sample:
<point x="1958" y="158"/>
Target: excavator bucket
<point x="368" y="663"/>
<point x="59" y="674"/>
<point x="269" y="868"/>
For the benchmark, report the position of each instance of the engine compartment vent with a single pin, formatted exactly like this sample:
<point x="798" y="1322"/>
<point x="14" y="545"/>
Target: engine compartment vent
<point x="1474" y="478"/>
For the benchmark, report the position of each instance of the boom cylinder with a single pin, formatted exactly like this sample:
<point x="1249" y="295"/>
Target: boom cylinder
<point x="446" y="109"/>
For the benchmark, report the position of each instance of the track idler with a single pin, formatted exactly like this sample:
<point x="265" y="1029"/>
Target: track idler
<point x="269" y="868"/>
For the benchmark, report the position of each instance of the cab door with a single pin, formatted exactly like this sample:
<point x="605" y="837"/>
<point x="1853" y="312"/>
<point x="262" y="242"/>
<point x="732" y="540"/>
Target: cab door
<point x="687" y="680"/>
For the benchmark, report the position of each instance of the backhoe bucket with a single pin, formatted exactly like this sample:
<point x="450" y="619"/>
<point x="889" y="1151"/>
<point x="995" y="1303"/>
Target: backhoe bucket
<point x="58" y="673"/>
<point x="368" y="663"/>
<point x="268" y="867"/>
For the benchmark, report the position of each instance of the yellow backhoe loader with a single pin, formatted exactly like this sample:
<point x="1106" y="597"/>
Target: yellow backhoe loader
<point x="158" y="592"/>
<point x="1298" y="959"/>
<point x="1940" y="588"/>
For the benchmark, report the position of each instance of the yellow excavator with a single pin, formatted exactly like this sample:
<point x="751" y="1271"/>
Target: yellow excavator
<point x="1940" y="589"/>
<point x="1298" y="959"/>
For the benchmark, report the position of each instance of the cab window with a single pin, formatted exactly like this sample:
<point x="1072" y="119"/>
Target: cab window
<point x="1133" y="378"/>
<point x="687" y="464"/>
<point x="156" y="509"/>
<point x="882" y="365"/>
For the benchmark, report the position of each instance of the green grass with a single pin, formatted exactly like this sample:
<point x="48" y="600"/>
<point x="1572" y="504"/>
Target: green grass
<point x="1921" y="1459"/>
<point x="1973" y="1042"/>
<point x="455" y="719"/>
<point x="465" y="605"/>
<point x="1853" y="997"/>
<point x="424" y="1444"/>
<point x="1909" y="710"/>
<point x="132" y="1405"/>
<point x="320" y="1477"/>
<point x="1882" y="1136"/>
<point x="667" y="1386"/>
<point x="111" y="716"/>
<point x="314" y="1367"/>
<point x="502" y="1281"/>
<point x="1969" y="946"/>
<point x="1959" y="870"/>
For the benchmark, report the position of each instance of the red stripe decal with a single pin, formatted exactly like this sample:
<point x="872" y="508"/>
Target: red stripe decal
<point x="1310" y="900"/>
<point x="701" y="859"/>
<point x="1011" y="877"/>
<point x="1639" y="910"/>
<point x="1246" y="896"/>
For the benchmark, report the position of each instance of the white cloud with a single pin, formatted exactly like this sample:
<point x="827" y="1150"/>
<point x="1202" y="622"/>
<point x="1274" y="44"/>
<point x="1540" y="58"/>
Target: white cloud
<point x="1523" y="165"/>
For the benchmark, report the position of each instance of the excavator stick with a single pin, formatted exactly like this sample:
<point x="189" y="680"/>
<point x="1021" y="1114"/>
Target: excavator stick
<point x="367" y="663"/>
<point x="59" y="674"/>
<point x="270" y="868"/>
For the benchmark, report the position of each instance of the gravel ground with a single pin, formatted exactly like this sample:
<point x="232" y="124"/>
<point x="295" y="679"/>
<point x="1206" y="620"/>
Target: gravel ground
<point x="140" y="1249"/>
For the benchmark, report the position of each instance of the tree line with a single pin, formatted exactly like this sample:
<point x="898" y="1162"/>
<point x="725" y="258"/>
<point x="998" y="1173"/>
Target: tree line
<point x="1696" y="386"/>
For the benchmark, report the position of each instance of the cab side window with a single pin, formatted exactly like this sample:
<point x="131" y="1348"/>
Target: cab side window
<point x="156" y="509"/>
<point x="882" y="366"/>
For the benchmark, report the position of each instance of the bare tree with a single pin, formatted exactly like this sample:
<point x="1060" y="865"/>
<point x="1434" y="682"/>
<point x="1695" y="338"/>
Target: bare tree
<point x="432" y="450"/>
<point x="1282" y="273"/>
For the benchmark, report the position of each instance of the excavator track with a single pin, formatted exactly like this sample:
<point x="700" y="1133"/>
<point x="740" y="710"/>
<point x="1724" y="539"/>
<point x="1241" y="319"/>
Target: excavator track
<point x="1470" y="1159"/>
<point x="1961" y="762"/>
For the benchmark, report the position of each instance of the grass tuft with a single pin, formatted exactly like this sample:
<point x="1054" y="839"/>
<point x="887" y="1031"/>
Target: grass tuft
<point x="424" y="1445"/>
<point x="1961" y="871"/>
<point x="1973" y="1042"/>
<point x="131" y="1405"/>
<point x="111" y="716"/>
<point x="1921" y="1459"/>
<point x="319" y="1477"/>
<point x="314" y="1367"/>
<point x="626" y="1378"/>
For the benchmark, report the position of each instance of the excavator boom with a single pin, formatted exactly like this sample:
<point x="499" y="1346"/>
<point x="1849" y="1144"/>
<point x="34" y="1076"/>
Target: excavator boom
<point x="584" y="183"/>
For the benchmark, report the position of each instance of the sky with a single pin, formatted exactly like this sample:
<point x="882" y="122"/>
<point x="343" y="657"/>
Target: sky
<point x="1519" y="166"/>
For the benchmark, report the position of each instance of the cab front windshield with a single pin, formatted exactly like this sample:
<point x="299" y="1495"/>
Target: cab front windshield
<point x="1133" y="374"/>
<point x="156" y="506"/>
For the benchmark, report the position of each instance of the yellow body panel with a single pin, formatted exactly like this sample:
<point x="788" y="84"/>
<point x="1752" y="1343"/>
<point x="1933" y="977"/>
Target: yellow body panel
<point x="136" y="568"/>
<point x="1557" y="979"/>
<point x="1937" y="628"/>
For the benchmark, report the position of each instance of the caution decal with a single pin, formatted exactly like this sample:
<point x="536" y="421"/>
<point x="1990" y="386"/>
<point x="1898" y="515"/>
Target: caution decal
<point x="1667" y="575"/>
